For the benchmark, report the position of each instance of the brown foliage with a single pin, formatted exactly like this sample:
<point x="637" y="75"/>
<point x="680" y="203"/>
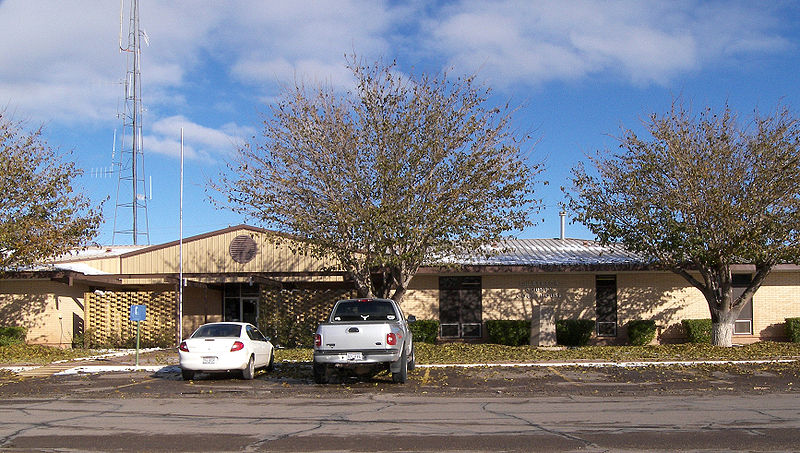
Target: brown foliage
<point x="41" y="215"/>
<point x="701" y="194"/>
<point x="397" y="171"/>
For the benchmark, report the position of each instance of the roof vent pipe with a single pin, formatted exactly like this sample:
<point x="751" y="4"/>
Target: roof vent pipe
<point x="563" y="215"/>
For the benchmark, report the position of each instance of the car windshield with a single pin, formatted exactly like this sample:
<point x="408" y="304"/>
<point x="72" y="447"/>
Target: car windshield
<point x="371" y="310"/>
<point x="218" y="330"/>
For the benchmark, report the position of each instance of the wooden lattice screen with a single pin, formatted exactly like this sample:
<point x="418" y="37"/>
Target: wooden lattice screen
<point x="108" y="318"/>
<point x="291" y="317"/>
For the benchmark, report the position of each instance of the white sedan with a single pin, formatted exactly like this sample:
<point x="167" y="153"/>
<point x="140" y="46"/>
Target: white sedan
<point x="224" y="347"/>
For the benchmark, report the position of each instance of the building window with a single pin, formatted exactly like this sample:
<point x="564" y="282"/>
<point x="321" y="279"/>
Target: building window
<point x="606" y="305"/>
<point x="744" y="323"/>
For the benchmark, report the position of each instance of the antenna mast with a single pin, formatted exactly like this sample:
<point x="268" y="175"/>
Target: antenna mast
<point x="131" y="165"/>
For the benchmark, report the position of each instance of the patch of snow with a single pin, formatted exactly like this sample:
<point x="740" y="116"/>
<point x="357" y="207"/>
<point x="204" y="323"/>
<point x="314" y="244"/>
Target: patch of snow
<point x="94" y="369"/>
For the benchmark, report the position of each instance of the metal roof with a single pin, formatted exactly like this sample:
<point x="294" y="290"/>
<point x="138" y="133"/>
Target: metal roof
<point x="94" y="252"/>
<point x="554" y="252"/>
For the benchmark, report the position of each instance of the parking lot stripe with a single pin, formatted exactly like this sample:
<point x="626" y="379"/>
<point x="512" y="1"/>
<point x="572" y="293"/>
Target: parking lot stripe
<point x="426" y="376"/>
<point x="560" y="374"/>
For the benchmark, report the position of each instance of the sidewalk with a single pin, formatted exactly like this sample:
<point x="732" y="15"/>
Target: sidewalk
<point x="150" y="360"/>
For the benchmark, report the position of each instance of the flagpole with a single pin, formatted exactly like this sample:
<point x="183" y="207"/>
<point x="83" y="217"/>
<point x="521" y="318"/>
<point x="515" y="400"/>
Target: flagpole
<point x="180" y="254"/>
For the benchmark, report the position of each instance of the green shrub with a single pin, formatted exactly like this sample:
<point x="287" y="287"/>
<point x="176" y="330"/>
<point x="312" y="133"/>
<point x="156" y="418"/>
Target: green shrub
<point x="424" y="330"/>
<point x="793" y="329"/>
<point x="641" y="331"/>
<point x="697" y="330"/>
<point x="80" y="340"/>
<point x="574" y="332"/>
<point x="12" y="335"/>
<point x="509" y="332"/>
<point x="165" y="338"/>
<point x="288" y="331"/>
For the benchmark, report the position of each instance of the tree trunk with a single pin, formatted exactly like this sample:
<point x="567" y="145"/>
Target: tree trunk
<point x="722" y="322"/>
<point x="398" y="294"/>
<point x="533" y="339"/>
<point x="722" y="333"/>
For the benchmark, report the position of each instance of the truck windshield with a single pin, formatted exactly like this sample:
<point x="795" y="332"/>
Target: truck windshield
<point x="373" y="310"/>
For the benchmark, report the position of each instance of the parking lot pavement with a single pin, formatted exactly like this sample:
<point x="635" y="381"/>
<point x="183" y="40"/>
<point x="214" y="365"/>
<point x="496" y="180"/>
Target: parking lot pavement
<point x="534" y="407"/>
<point x="159" y="376"/>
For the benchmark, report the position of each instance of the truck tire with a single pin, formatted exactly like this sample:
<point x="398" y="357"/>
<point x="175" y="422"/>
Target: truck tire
<point x="401" y="376"/>
<point x="413" y="362"/>
<point x="187" y="375"/>
<point x="320" y="373"/>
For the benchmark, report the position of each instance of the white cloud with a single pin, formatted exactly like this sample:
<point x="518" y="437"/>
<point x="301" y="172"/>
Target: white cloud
<point x="280" y="42"/>
<point x="281" y="71"/>
<point x="645" y="42"/>
<point x="59" y="61"/>
<point x="52" y="66"/>
<point x="200" y="142"/>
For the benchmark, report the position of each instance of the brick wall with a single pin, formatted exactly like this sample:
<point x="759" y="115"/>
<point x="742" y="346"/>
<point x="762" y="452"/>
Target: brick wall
<point x="663" y="296"/>
<point x="47" y="309"/>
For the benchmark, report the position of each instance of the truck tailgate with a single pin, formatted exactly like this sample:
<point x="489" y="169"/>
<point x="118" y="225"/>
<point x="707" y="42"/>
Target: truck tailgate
<point x="355" y="336"/>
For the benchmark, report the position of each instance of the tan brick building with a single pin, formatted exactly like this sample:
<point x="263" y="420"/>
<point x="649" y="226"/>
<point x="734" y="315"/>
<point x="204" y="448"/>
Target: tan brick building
<point x="251" y="274"/>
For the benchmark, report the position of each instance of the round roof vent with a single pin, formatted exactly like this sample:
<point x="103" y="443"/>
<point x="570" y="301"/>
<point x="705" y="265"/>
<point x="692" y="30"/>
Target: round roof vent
<point x="243" y="249"/>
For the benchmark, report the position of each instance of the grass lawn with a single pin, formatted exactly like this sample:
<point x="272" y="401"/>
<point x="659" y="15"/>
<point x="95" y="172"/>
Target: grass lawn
<point x="493" y="353"/>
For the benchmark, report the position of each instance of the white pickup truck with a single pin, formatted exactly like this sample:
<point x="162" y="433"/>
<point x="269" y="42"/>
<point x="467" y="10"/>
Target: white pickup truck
<point x="364" y="337"/>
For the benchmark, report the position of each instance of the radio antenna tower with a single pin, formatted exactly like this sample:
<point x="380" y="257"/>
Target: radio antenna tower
<point x="131" y="190"/>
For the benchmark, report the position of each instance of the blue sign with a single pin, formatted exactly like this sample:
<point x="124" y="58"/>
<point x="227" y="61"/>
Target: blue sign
<point x="138" y="313"/>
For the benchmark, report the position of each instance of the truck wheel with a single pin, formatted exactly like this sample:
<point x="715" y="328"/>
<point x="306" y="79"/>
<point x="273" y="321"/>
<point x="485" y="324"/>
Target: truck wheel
<point x="250" y="371"/>
<point x="320" y="373"/>
<point x="187" y="375"/>
<point x="401" y="376"/>
<point x="413" y="362"/>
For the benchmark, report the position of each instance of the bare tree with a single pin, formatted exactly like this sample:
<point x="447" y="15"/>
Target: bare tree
<point x="701" y="194"/>
<point x="385" y="176"/>
<point x="41" y="216"/>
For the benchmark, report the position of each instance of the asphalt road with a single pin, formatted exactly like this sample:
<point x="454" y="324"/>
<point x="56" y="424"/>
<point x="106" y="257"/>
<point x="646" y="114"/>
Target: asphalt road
<point x="393" y="422"/>
<point x="691" y="408"/>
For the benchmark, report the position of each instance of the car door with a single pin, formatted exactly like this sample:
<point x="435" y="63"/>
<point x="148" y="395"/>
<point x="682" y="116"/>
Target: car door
<point x="266" y="346"/>
<point x="259" y="344"/>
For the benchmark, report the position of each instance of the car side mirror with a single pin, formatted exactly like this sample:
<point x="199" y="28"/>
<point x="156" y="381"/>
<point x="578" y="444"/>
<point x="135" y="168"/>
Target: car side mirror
<point x="412" y="318"/>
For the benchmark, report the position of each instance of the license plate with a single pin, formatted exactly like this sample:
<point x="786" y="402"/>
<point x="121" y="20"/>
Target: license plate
<point x="353" y="356"/>
<point x="209" y="360"/>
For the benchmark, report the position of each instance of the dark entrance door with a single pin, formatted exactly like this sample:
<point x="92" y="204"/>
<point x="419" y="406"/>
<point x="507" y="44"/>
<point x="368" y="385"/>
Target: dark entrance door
<point x="744" y="323"/>
<point x="460" y="307"/>
<point x="241" y="302"/>
<point x="606" y="305"/>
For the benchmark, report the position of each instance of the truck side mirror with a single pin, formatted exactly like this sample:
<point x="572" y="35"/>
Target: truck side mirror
<point x="412" y="318"/>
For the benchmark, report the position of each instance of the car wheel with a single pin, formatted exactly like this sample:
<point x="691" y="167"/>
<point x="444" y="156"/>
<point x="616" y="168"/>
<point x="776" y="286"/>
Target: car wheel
<point x="413" y="362"/>
<point x="401" y="376"/>
<point x="187" y="375"/>
<point x="250" y="371"/>
<point x="320" y="373"/>
<point x="271" y="364"/>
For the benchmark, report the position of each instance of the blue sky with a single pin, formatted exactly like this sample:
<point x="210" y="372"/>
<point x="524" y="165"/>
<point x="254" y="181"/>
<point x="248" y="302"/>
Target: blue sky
<point x="578" y="69"/>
